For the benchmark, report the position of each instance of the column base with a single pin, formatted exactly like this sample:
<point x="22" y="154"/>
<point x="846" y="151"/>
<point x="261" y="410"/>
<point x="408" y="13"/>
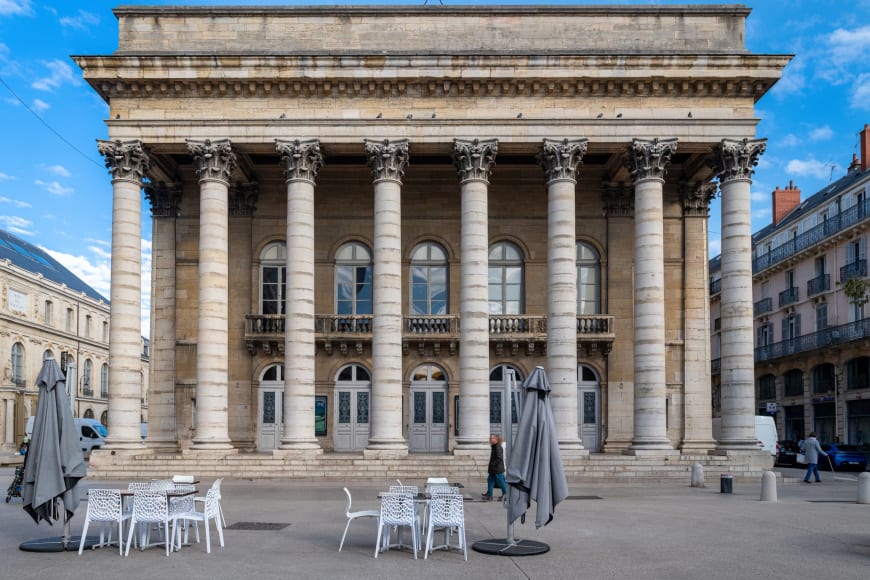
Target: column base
<point x="299" y="444"/>
<point x="160" y="447"/>
<point x="571" y="445"/>
<point x="385" y="453"/>
<point x="120" y="444"/>
<point x="211" y="444"/>
<point x="758" y="459"/>
<point x="472" y="444"/>
<point x="697" y="446"/>
<point x="650" y="444"/>
<point x="647" y="452"/>
<point x="297" y="452"/>
<point x="738" y="445"/>
<point x="194" y="452"/>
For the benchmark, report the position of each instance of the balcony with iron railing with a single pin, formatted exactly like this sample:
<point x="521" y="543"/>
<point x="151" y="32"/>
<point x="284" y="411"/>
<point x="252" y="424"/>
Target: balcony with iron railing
<point x="856" y="269"/>
<point x="821" y="283"/>
<point x="833" y="225"/>
<point x="830" y="336"/>
<point x="715" y="287"/>
<point x="789" y="296"/>
<point x="266" y="331"/>
<point x="763" y="306"/>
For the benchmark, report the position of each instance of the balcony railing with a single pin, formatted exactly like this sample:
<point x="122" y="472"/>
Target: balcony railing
<point x="763" y="306"/>
<point x="810" y="238"/>
<point x="715" y="287"/>
<point x="821" y="283"/>
<point x="821" y="339"/>
<point x="444" y="325"/>
<point x="788" y="296"/>
<point x="87" y="392"/>
<point x="342" y="325"/>
<point x="856" y="269"/>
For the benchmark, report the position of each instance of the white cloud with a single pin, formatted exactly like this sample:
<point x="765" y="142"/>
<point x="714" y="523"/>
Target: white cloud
<point x="60" y="73"/>
<point x="791" y="140"/>
<point x="821" y="133"/>
<point x="810" y="167"/>
<point x="15" y="202"/>
<point x="17" y="225"/>
<point x="81" y="21"/>
<point x="715" y="247"/>
<point x="57" y="170"/>
<point x="54" y="187"/>
<point x="14" y="7"/>
<point x="792" y="82"/>
<point x="860" y="97"/>
<point x="5" y="177"/>
<point x="12" y="101"/>
<point x="759" y="196"/>
<point x="850" y="45"/>
<point x="40" y="105"/>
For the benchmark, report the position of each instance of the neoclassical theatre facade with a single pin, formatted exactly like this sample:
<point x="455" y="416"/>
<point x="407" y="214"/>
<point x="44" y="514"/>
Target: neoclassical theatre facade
<point x="365" y="217"/>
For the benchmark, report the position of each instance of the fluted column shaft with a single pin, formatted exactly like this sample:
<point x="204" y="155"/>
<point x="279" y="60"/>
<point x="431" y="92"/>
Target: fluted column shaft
<point x="560" y="161"/>
<point x="734" y="163"/>
<point x="387" y="161"/>
<point x="162" y="432"/>
<point x="127" y="162"/>
<point x="9" y="431"/>
<point x="474" y="161"/>
<point x="647" y="161"/>
<point x="302" y="161"/>
<point x="214" y="162"/>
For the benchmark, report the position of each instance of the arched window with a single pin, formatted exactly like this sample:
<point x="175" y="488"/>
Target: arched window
<point x="767" y="387"/>
<point x="428" y="279"/>
<point x="104" y="381"/>
<point x="505" y="279"/>
<point x="588" y="280"/>
<point x="47" y="354"/>
<point x="353" y="279"/>
<point x="18" y="365"/>
<point x="793" y="383"/>
<point x="86" y="376"/>
<point x="89" y="413"/>
<point x="273" y="278"/>
<point x="104" y="418"/>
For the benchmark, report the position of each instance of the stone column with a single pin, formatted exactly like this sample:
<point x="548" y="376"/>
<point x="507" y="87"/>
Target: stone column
<point x="9" y="431"/>
<point x="646" y="161"/>
<point x="127" y="162"/>
<point x="733" y="162"/>
<point x="214" y="162"/>
<point x="560" y="161"/>
<point x="697" y="390"/>
<point x="474" y="161"/>
<point x="164" y="199"/>
<point x="387" y="161"/>
<point x="302" y="161"/>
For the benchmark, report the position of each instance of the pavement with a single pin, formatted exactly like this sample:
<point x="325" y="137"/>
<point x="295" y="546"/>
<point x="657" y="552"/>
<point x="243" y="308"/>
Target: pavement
<point x="605" y="531"/>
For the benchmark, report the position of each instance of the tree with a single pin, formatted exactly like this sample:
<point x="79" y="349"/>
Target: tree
<point x="858" y="291"/>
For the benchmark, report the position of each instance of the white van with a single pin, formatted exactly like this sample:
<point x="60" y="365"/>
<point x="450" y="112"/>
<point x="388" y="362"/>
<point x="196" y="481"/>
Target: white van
<point x="765" y="433"/>
<point x="91" y="432"/>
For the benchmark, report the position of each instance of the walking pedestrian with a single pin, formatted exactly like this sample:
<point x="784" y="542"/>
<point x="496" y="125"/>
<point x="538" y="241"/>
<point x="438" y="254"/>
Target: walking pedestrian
<point x="811" y="450"/>
<point x="496" y="468"/>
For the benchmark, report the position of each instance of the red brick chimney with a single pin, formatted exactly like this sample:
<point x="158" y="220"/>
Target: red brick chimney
<point x="865" y="148"/>
<point x="785" y="200"/>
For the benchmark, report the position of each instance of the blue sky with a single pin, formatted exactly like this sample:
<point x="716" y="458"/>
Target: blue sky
<point x="55" y="191"/>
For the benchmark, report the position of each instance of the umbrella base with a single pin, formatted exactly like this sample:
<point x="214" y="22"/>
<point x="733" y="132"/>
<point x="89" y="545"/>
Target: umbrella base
<point x="56" y="544"/>
<point x="501" y="547"/>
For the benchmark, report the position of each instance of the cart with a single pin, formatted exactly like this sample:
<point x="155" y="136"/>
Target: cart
<point x="16" y="485"/>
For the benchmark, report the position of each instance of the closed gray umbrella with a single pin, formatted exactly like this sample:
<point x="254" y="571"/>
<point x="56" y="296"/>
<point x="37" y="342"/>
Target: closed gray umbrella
<point x="535" y="469"/>
<point x="54" y="459"/>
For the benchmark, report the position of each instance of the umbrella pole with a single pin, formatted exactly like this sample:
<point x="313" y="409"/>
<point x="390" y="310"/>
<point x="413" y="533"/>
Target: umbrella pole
<point x="507" y="427"/>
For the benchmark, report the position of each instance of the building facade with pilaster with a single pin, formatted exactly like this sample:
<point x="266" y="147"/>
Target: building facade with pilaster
<point x="358" y="234"/>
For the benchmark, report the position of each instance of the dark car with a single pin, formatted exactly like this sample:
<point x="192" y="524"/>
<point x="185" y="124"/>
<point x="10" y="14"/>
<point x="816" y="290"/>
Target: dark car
<point x="843" y="457"/>
<point x="787" y="453"/>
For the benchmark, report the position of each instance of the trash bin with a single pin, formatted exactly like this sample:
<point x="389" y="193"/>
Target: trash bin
<point x="726" y="483"/>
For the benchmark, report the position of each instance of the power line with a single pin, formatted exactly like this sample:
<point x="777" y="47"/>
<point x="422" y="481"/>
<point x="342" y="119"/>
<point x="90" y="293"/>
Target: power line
<point x="49" y="127"/>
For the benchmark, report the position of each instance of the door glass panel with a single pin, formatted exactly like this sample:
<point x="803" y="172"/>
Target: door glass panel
<point x="419" y="407"/>
<point x="438" y="407"/>
<point x="344" y="407"/>
<point x="269" y="407"/>
<point x="494" y="407"/>
<point x="589" y="408"/>
<point x="362" y="408"/>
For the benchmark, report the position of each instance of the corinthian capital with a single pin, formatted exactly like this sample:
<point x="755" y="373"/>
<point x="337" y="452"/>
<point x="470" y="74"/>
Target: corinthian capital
<point x="213" y="160"/>
<point x="647" y="158"/>
<point x="126" y="160"/>
<point x="561" y="159"/>
<point x="387" y="159"/>
<point x="164" y="198"/>
<point x="734" y="159"/>
<point x="474" y="159"/>
<point x="696" y="197"/>
<point x="302" y="159"/>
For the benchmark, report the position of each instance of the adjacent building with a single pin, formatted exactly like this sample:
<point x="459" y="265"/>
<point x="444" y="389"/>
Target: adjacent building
<point x="364" y="218"/>
<point x="810" y="289"/>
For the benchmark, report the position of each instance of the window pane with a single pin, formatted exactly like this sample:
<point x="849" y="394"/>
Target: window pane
<point x="439" y="308"/>
<point x="438" y="407"/>
<point x="514" y="275"/>
<point x="494" y="407"/>
<point x="344" y="407"/>
<point x="438" y="276"/>
<point x="494" y="276"/>
<point x="514" y="292"/>
<point x="420" y="295"/>
<point x="362" y="374"/>
<point x="269" y="407"/>
<point x="362" y="407"/>
<point x="418" y="274"/>
<point x="270" y="275"/>
<point x="419" y="407"/>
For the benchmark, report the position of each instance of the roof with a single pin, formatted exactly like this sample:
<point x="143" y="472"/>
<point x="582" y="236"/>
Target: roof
<point x="33" y="259"/>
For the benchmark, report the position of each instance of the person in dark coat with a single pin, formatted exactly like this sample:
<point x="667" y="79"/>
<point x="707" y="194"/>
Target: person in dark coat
<point x="496" y="468"/>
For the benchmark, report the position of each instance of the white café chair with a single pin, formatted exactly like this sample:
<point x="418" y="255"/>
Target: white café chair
<point x="180" y="509"/>
<point x="211" y="512"/>
<point x="436" y="481"/>
<point x="104" y="507"/>
<point x="150" y="507"/>
<point x="446" y="513"/>
<point x="397" y="509"/>
<point x="201" y="499"/>
<point x="351" y="516"/>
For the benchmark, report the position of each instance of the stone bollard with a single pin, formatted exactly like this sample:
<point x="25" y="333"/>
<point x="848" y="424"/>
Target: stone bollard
<point x="864" y="488"/>
<point x="768" y="486"/>
<point x="697" y="475"/>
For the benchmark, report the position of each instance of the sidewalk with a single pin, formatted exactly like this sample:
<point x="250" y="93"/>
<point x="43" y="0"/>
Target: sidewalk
<point x="606" y="531"/>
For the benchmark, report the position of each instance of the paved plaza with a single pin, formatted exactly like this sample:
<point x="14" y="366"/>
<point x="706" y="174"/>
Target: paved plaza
<point x="604" y="531"/>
